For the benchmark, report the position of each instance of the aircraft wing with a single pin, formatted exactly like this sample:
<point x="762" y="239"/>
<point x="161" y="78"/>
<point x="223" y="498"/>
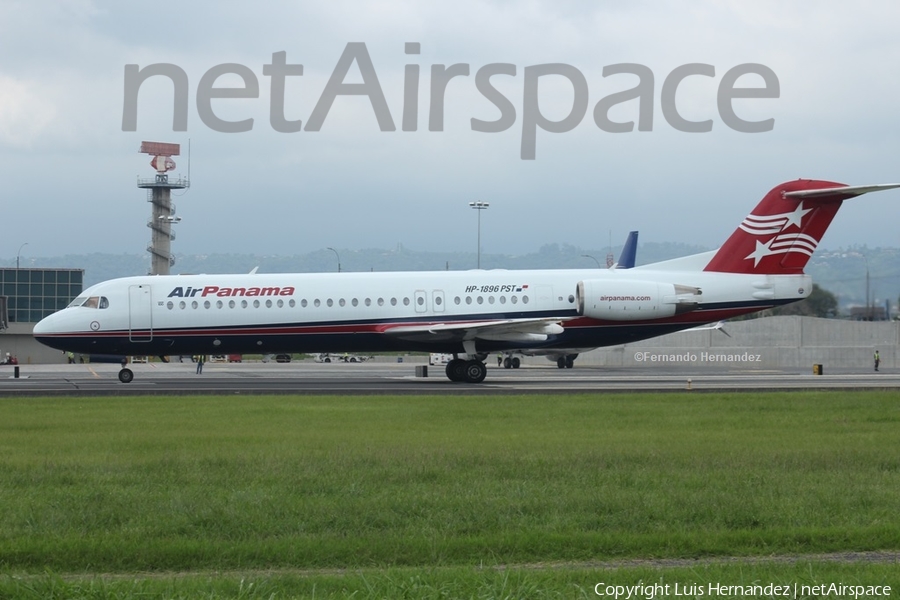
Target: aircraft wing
<point x="719" y="326"/>
<point x="525" y="330"/>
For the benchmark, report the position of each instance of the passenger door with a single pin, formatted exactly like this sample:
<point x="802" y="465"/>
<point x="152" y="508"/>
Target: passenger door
<point x="140" y="313"/>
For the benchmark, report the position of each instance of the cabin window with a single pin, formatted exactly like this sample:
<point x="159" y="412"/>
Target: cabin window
<point x="302" y="303"/>
<point x="354" y="302"/>
<point x="182" y="305"/>
<point x="368" y="302"/>
<point x="256" y="304"/>
<point x="219" y="304"/>
<point x="381" y="302"/>
<point x="280" y="303"/>
<point x="170" y="305"/>
<point x="420" y="301"/>
<point x="479" y="300"/>
<point x="406" y="302"/>
<point x="393" y="302"/>
<point x="468" y="299"/>
<point x="243" y="304"/>
<point x="437" y="300"/>
<point x="206" y="304"/>
<point x="502" y="299"/>
<point x="194" y="304"/>
<point x="524" y="299"/>
<point x="490" y="299"/>
<point x="329" y="302"/>
<point x="231" y="304"/>
<point x="456" y="300"/>
<point x="317" y="303"/>
<point x="292" y="303"/>
<point x="514" y="299"/>
<point x="268" y="304"/>
<point x="571" y="299"/>
<point x="342" y="302"/>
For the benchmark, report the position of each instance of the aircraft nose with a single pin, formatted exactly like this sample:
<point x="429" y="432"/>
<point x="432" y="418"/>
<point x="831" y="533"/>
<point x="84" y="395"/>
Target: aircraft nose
<point x="45" y="326"/>
<point x="42" y="327"/>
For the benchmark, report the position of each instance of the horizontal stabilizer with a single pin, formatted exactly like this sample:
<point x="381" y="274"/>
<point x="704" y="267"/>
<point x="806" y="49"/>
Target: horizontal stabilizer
<point x="841" y="192"/>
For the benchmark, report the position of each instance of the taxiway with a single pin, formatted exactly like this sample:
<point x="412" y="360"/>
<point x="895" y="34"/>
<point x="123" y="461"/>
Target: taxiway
<point x="400" y="378"/>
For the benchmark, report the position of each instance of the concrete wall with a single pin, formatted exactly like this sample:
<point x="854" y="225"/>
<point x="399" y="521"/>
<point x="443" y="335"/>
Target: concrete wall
<point x="774" y="342"/>
<point x="18" y="341"/>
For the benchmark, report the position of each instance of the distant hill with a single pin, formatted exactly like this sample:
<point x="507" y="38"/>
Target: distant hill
<point x="841" y="271"/>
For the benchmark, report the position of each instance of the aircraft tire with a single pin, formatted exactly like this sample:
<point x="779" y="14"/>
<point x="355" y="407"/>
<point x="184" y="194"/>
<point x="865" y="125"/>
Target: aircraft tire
<point x="516" y="363"/>
<point x="561" y="362"/>
<point x="570" y="362"/>
<point x="456" y="370"/>
<point x="507" y="364"/>
<point x="475" y="371"/>
<point x="126" y="376"/>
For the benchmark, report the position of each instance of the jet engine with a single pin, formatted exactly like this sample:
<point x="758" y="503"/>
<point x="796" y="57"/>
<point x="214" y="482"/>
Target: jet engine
<point x="624" y="300"/>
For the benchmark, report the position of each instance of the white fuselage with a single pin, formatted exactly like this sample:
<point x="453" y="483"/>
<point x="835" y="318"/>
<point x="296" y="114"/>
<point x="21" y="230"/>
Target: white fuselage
<point x="440" y="311"/>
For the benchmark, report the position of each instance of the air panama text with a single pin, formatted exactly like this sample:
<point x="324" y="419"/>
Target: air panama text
<point x="223" y="292"/>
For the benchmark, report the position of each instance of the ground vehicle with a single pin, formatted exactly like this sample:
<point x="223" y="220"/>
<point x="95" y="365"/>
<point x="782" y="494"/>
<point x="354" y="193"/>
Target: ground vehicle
<point x="347" y="358"/>
<point x="438" y="358"/>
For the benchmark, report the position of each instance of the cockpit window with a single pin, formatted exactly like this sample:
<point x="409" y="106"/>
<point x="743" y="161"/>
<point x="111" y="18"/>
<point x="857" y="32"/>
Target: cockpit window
<point x="90" y="302"/>
<point x="77" y="301"/>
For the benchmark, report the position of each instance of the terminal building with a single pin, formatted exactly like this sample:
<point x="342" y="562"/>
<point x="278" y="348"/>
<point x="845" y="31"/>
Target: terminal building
<point x="26" y="297"/>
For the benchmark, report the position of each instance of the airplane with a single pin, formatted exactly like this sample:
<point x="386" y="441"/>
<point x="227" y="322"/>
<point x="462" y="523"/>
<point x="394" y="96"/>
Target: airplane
<point x="468" y="314"/>
<point x="565" y="357"/>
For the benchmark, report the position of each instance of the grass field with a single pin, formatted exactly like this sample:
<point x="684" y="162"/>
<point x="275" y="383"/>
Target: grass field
<point x="425" y="496"/>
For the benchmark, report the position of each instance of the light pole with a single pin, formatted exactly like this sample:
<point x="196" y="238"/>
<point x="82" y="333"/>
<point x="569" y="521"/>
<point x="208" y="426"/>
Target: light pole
<point x="338" y="258"/>
<point x="593" y="259"/>
<point x="868" y="310"/>
<point x="479" y="206"/>
<point x="18" y="254"/>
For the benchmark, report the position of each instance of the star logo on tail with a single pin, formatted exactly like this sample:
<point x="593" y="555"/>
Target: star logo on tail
<point x="782" y="244"/>
<point x="769" y="224"/>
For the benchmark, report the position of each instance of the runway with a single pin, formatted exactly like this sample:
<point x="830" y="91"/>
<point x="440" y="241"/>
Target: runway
<point x="306" y="377"/>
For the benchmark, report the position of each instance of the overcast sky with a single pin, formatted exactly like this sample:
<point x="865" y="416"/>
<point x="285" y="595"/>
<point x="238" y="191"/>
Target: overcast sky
<point x="69" y="170"/>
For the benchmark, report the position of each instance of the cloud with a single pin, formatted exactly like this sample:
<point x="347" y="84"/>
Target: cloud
<point x="352" y="185"/>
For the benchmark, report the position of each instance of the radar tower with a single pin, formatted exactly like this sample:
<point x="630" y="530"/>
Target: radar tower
<point x="159" y="194"/>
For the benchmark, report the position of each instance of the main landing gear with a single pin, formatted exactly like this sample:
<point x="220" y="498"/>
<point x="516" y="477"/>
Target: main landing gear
<point x="511" y="362"/>
<point x="468" y="371"/>
<point x="566" y="362"/>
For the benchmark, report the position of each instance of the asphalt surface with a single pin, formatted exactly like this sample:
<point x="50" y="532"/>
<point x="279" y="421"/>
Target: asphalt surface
<point x="307" y="377"/>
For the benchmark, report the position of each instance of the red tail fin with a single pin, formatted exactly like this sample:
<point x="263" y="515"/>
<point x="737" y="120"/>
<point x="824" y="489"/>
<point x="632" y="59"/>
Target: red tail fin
<point x="782" y="232"/>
